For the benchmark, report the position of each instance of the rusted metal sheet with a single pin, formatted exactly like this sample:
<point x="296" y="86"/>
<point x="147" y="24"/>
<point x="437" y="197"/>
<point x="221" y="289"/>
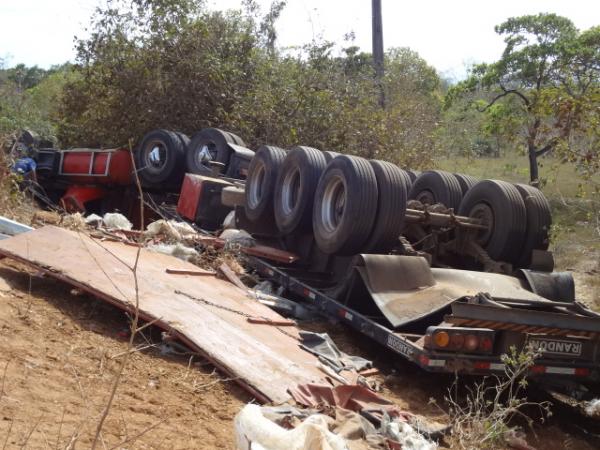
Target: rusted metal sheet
<point x="264" y="359"/>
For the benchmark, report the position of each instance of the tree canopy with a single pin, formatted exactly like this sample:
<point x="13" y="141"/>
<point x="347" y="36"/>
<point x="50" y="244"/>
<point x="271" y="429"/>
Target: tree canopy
<point x="175" y="64"/>
<point x="552" y="71"/>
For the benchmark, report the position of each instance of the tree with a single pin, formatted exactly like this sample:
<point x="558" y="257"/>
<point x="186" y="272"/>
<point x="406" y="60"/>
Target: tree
<point x="552" y="70"/>
<point x="191" y="68"/>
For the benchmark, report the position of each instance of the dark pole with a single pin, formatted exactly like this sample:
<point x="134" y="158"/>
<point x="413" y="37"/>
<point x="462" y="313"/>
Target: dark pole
<point x="378" y="47"/>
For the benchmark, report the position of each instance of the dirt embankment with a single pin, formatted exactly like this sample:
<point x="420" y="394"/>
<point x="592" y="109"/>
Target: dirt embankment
<point x="58" y="356"/>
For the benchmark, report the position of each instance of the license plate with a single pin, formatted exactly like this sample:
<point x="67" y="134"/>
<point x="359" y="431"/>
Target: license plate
<point x="562" y="347"/>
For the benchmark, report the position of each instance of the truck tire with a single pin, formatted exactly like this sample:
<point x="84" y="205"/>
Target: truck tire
<point x="236" y="139"/>
<point x="160" y="159"/>
<point x="500" y="206"/>
<point x="295" y="188"/>
<point x="260" y="184"/>
<point x="539" y="220"/>
<point x="413" y="174"/>
<point x="466" y="182"/>
<point x="407" y="180"/>
<point x="436" y="186"/>
<point x="391" y="207"/>
<point x="185" y="141"/>
<point x="213" y="140"/>
<point x="345" y="205"/>
<point x="330" y="155"/>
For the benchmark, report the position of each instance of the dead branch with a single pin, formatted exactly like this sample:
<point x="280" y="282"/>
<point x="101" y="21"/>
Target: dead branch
<point x="134" y="325"/>
<point x="138" y="435"/>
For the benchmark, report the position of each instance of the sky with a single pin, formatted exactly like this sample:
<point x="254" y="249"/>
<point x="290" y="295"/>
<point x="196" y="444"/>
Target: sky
<point x="449" y="35"/>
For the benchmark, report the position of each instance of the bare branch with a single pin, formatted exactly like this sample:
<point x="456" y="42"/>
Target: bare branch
<point x="506" y="92"/>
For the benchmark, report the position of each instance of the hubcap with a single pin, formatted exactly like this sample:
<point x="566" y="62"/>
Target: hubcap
<point x="290" y="191"/>
<point x="334" y="202"/>
<point x="426" y="197"/>
<point x="485" y="214"/>
<point x="207" y="153"/>
<point x="255" y="185"/>
<point x="156" y="156"/>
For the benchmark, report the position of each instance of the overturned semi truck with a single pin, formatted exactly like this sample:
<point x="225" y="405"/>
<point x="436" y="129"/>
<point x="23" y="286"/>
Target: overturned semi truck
<point x="446" y="271"/>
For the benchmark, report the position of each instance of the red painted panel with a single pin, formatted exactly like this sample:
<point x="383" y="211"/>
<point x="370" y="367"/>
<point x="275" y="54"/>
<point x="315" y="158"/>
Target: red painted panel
<point x="189" y="197"/>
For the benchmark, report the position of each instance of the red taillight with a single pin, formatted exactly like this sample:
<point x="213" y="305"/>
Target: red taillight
<point x="457" y="341"/>
<point x="582" y="371"/>
<point x="486" y="344"/>
<point x="538" y="369"/>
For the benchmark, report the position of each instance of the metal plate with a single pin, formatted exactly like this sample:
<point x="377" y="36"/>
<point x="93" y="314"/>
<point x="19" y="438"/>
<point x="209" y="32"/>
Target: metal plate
<point x="261" y="358"/>
<point x="406" y="289"/>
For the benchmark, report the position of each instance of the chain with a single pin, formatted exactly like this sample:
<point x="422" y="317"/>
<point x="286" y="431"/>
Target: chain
<point x="231" y="310"/>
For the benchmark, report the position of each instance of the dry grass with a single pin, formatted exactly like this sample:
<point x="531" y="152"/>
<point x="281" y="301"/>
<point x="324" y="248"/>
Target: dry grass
<point x="14" y="204"/>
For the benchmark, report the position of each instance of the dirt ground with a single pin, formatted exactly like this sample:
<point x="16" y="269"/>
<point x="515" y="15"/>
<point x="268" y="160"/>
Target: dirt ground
<point x="58" y="356"/>
<point x="59" y="351"/>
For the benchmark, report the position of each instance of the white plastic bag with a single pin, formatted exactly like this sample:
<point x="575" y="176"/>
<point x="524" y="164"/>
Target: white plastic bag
<point x="253" y="430"/>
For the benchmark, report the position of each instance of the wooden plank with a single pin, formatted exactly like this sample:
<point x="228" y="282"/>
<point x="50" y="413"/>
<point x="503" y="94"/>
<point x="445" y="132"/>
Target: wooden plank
<point x="231" y="276"/>
<point x="198" y="272"/>
<point x="263" y="359"/>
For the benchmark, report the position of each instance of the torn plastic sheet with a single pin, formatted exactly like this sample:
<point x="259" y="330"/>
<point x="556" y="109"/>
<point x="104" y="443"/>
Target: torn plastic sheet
<point x="323" y="346"/>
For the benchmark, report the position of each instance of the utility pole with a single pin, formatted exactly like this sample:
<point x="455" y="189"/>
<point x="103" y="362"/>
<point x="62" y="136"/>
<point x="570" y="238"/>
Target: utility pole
<point x="378" y="47"/>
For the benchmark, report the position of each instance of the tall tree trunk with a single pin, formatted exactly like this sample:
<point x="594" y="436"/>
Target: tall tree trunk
<point x="533" y="165"/>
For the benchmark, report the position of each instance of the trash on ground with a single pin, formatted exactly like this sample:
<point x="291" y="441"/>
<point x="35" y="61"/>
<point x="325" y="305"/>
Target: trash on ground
<point x="287" y="427"/>
<point x="116" y="221"/>
<point x="592" y="408"/>
<point x="177" y="250"/>
<point x="172" y="230"/>
<point x="11" y="227"/>
<point x="323" y="346"/>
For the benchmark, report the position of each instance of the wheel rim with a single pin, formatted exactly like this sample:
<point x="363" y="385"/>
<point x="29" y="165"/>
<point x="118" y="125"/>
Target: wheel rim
<point x="256" y="185"/>
<point x="485" y="214"/>
<point x="290" y="191"/>
<point x="334" y="203"/>
<point x="206" y="153"/>
<point x="156" y="156"/>
<point x="426" y="197"/>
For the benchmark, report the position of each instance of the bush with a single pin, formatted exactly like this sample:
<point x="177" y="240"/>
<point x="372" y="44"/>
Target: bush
<point x="173" y="64"/>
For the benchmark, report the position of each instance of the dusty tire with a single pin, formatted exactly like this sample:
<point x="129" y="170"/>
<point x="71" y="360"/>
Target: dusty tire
<point x="466" y="182"/>
<point x="212" y="140"/>
<point x="391" y="206"/>
<point x="436" y="186"/>
<point x="295" y="188"/>
<point x="345" y="205"/>
<point x="330" y="155"/>
<point x="500" y="206"/>
<point x="407" y="180"/>
<point x="539" y="220"/>
<point x="260" y="184"/>
<point x="160" y="159"/>
<point x="413" y="174"/>
<point x="235" y="139"/>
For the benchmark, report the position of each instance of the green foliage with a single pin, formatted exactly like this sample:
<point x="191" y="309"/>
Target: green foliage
<point x="544" y="90"/>
<point x="173" y="64"/>
<point x="29" y="98"/>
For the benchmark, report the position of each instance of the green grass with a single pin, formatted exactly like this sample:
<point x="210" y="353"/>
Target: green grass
<point x="558" y="179"/>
